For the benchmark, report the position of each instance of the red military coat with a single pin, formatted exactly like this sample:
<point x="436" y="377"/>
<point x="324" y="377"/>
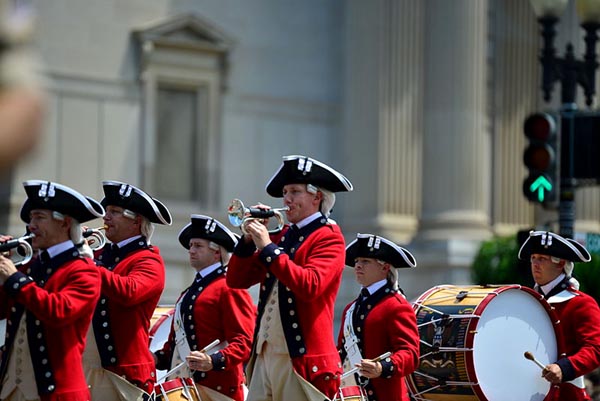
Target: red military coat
<point x="313" y="278"/>
<point x="580" y="349"/>
<point x="64" y="305"/>
<point x="130" y="293"/>
<point x="222" y="313"/>
<point x="389" y="325"/>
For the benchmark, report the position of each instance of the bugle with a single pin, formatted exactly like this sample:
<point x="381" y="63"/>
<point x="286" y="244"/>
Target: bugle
<point x="240" y="215"/>
<point x="23" y="250"/>
<point x="95" y="237"/>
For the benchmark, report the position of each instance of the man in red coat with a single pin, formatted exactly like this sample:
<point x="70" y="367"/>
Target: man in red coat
<point x="552" y="258"/>
<point x="49" y="302"/>
<point x="118" y="363"/>
<point x="300" y="270"/>
<point x="209" y="310"/>
<point x="381" y="320"/>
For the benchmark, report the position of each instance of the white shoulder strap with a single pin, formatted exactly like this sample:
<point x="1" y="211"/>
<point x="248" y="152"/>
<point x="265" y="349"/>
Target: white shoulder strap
<point x="562" y="296"/>
<point x="351" y="341"/>
<point x="180" y="338"/>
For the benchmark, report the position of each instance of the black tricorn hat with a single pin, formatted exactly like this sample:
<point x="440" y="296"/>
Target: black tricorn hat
<point x="297" y="169"/>
<point x="129" y="197"/>
<point x="551" y="244"/>
<point x="210" y="229"/>
<point x="59" y="198"/>
<point x="375" y="247"/>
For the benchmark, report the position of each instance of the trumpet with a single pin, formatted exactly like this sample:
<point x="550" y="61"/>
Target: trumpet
<point x="96" y="238"/>
<point x="24" y="251"/>
<point x="240" y="215"/>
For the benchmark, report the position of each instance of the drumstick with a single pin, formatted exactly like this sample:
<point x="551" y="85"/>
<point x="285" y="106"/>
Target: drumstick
<point x="356" y="368"/>
<point x="205" y="349"/>
<point x="530" y="356"/>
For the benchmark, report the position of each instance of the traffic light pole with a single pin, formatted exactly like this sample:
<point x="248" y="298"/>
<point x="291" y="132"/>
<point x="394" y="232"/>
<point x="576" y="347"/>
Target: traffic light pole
<point x="568" y="183"/>
<point x="566" y="208"/>
<point x="570" y="72"/>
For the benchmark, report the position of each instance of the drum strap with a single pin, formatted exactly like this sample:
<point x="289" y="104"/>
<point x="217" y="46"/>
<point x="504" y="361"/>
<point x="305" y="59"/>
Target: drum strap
<point x="353" y="353"/>
<point x="181" y="343"/>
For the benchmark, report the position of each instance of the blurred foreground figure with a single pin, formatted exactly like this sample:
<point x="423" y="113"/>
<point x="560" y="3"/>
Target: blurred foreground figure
<point x="21" y="96"/>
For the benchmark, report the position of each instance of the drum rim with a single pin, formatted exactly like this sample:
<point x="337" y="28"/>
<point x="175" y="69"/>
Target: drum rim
<point x="174" y="384"/>
<point x="161" y="319"/>
<point x="495" y="290"/>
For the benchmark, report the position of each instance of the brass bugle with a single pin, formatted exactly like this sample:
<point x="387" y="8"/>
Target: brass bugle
<point x="23" y="250"/>
<point x="240" y="215"/>
<point x="95" y="237"/>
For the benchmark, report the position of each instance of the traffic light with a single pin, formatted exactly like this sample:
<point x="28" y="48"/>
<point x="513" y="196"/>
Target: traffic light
<point x="541" y="157"/>
<point x="580" y="144"/>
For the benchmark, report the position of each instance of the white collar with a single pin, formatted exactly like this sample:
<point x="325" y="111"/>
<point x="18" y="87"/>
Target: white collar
<point x="308" y="220"/>
<point x="548" y="287"/>
<point x="376" y="286"/>
<point x="60" y="248"/>
<point x="208" y="269"/>
<point x="128" y="240"/>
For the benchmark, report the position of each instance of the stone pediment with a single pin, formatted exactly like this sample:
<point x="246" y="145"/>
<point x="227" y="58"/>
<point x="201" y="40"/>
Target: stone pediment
<point x="185" y="31"/>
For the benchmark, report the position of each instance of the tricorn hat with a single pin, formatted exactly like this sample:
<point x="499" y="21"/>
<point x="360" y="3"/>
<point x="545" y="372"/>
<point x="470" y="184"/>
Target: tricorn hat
<point x="210" y="229"/>
<point x="129" y="197"/>
<point x="551" y="244"/>
<point x="59" y="198"/>
<point x="306" y="170"/>
<point x="375" y="247"/>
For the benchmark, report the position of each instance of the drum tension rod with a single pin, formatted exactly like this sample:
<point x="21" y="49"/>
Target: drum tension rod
<point x="462" y="295"/>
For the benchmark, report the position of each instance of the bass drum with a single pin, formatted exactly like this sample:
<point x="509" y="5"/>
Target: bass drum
<point x="473" y="341"/>
<point x="160" y="326"/>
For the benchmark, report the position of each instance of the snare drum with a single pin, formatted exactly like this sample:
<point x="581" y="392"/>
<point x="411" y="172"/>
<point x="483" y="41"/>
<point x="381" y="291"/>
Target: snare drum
<point x="160" y="327"/>
<point x="350" y="393"/>
<point x="180" y="389"/>
<point x="473" y="341"/>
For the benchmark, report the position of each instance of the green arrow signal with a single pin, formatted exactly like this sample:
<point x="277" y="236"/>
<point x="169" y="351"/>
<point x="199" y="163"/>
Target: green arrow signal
<point x="540" y="184"/>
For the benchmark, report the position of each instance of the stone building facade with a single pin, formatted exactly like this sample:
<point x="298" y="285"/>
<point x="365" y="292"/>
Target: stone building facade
<point x="420" y="103"/>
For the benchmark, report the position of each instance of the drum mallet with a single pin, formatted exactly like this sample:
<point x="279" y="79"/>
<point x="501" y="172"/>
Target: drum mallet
<point x="530" y="356"/>
<point x="209" y="346"/>
<point x="356" y="368"/>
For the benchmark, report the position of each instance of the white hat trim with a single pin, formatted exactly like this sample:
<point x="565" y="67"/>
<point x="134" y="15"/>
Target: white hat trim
<point x="48" y="189"/>
<point x="547" y="242"/>
<point x="377" y="242"/>
<point x="125" y="190"/>
<point x="210" y="226"/>
<point x="308" y="161"/>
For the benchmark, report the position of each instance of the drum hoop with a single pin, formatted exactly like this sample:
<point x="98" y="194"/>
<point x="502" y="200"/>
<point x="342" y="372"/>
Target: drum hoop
<point x="175" y="384"/>
<point x="470" y="335"/>
<point x="483" y="304"/>
<point x="159" y="321"/>
<point x="345" y="392"/>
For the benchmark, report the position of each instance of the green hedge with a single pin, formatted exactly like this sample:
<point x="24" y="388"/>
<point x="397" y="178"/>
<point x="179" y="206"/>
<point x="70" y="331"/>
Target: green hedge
<point x="497" y="263"/>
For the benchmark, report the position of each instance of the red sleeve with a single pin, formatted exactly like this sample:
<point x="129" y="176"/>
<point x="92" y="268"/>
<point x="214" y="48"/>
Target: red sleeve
<point x="140" y="279"/>
<point x="581" y="321"/>
<point x="402" y="326"/>
<point x="80" y="287"/>
<point x="240" y="314"/>
<point x="244" y="268"/>
<point x="322" y="262"/>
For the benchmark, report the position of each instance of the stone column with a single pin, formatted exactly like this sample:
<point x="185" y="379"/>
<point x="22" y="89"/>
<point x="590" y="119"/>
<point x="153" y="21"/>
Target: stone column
<point x="456" y="143"/>
<point x="381" y="129"/>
